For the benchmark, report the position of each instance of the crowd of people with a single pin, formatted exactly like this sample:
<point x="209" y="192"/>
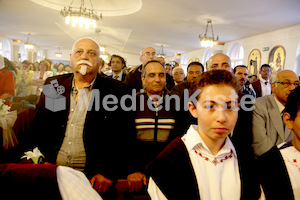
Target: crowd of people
<point x="209" y="134"/>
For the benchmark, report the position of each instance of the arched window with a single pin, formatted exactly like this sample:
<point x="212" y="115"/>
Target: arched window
<point x="236" y="54"/>
<point x="39" y="56"/>
<point x="184" y="63"/>
<point x="5" y="49"/>
<point x="207" y="54"/>
<point x="297" y="62"/>
<point x="22" y="53"/>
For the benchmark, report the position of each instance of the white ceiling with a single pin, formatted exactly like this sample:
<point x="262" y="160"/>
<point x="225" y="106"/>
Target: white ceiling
<point x="130" y="25"/>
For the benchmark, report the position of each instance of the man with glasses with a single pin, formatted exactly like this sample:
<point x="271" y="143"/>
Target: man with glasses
<point x="262" y="86"/>
<point x="268" y="129"/>
<point x="133" y="79"/>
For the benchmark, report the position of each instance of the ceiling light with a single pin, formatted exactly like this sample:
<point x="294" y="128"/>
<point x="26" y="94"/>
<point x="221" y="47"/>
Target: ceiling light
<point x="59" y="53"/>
<point x="28" y="44"/>
<point x="161" y="52"/>
<point x="82" y="16"/>
<point x="208" y="41"/>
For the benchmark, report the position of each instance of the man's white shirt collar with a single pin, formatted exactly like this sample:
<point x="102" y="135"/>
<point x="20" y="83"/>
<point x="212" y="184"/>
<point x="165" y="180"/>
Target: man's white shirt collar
<point x="119" y="75"/>
<point x="263" y="80"/>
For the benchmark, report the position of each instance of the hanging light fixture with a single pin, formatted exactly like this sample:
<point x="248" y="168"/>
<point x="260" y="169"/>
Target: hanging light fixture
<point x="103" y="53"/>
<point x="205" y="40"/>
<point x="80" y="16"/>
<point x="59" y="53"/>
<point x="161" y="52"/>
<point x="28" y="44"/>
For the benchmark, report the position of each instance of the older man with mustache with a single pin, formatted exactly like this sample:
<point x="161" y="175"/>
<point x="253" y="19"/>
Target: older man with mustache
<point x="83" y="137"/>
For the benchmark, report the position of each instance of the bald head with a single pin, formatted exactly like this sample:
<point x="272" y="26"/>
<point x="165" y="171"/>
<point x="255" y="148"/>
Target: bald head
<point x="219" y="61"/>
<point x="283" y="83"/>
<point x="85" y="56"/>
<point x="147" y="54"/>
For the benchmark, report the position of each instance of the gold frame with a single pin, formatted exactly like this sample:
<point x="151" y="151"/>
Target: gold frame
<point x="254" y="62"/>
<point x="277" y="58"/>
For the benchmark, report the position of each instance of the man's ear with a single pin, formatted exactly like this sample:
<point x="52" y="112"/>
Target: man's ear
<point x="192" y="109"/>
<point x="287" y="120"/>
<point x="143" y="80"/>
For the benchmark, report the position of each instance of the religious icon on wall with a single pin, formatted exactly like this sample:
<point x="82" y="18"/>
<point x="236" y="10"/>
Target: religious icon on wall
<point x="254" y="62"/>
<point x="277" y="58"/>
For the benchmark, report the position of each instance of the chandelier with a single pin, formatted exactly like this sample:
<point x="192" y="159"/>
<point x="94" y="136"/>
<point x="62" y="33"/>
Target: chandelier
<point x="28" y="44"/>
<point x="161" y="52"/>
<point x="80" y="16"/>
<point x="205" y="40"/>
<point x="59" y="53"/>
<point x="103" y="53"/>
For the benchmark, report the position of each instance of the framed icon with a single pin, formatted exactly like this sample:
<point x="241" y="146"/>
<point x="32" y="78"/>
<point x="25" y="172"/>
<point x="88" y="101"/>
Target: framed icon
<point x="277" y="58"/>
<point x="254" y="60"/>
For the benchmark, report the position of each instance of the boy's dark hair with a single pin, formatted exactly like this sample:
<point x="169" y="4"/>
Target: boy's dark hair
<point x="292" y="105"/>
<point x="265" y="65"/>
<point x="215" y="77"/>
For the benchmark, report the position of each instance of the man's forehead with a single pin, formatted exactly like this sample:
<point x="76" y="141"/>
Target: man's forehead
<point x="154" y="68"/>
<point x="178" y="70"/>
<point x="241" y="69"/>
<point x="195" y="68"/>
<point x="148" y="49"/>
<point x="287" y="75"/>
<point x="86" y="43"/>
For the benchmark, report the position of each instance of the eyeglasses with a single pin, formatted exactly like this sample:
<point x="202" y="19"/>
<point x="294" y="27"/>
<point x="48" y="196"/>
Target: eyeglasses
<point x="287" y="84"/>
<point x="265" y="70"/>
<point x="148" y="54"/>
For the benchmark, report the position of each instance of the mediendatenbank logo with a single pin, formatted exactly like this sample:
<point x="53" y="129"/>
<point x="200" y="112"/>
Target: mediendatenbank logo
<point x="54" y="100"/>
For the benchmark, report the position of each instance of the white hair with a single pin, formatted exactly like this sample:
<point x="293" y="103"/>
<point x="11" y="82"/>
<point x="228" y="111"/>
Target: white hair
<point x="84" y="39"/>
<point x="177" y="68"/>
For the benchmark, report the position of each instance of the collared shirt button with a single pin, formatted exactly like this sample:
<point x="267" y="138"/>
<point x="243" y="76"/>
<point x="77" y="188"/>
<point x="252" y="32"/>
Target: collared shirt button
<point x="70" y="142"/>
<point x="72" y="109"/>
<point x="72" y="124"/>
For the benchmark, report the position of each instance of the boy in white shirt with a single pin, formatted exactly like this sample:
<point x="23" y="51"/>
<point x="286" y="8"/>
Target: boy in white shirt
<point x="204" y="164"/>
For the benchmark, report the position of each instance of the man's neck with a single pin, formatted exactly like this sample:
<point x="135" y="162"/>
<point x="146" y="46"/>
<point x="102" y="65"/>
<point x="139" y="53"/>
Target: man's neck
<point x="117" y="72"/>
<point x="83" y="81"/>
<point x="155" y="95"/>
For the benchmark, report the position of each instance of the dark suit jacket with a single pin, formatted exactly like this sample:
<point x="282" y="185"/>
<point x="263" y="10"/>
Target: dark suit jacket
<point x="105" y="134"/>
<point x="257" y="88"/>
<point x="274" y="176"/>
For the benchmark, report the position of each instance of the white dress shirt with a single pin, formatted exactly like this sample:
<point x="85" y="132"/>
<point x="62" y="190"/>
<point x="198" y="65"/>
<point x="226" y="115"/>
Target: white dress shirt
<point x="265" y="88"/>
<point x="119" y="76"/>
<point x="217" y="176"/>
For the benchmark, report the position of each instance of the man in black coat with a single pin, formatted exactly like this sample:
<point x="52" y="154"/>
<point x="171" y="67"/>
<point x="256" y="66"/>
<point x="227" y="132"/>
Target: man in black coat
<point x="134" y="80"/>
<point x="90" y="138"/>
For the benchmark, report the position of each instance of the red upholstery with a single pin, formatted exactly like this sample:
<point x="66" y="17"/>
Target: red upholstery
<point x="22" y="123"/>
<point x="29" y="181"/>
